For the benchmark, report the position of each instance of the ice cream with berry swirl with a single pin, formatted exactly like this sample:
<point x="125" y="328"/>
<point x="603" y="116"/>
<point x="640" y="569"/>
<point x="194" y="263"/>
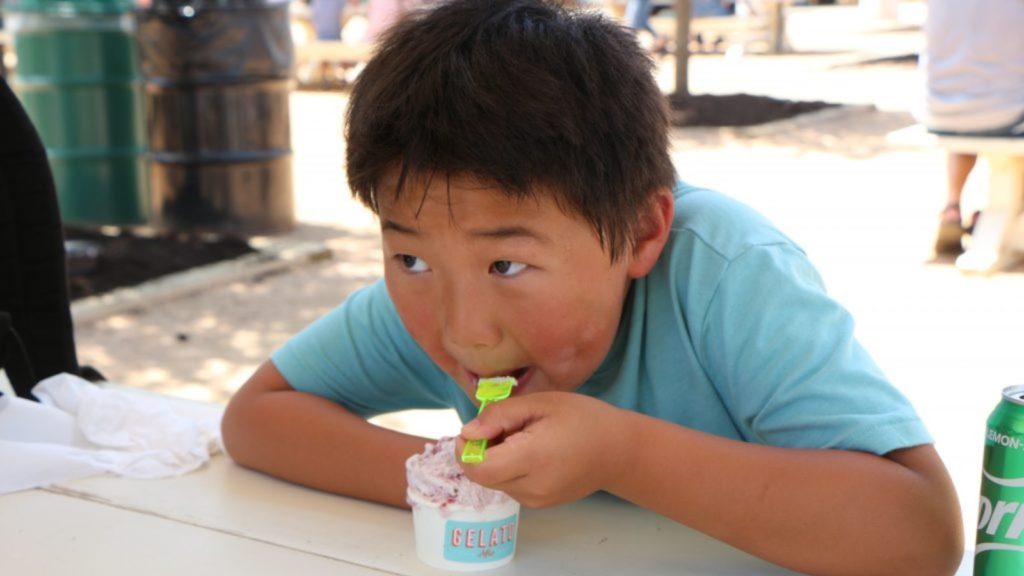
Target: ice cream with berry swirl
<point x="435" y="479"/>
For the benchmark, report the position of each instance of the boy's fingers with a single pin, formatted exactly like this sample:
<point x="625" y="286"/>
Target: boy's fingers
<point x="502" y="419"/>
<point x="506" y="425"/>
<point x="503" y="464"/>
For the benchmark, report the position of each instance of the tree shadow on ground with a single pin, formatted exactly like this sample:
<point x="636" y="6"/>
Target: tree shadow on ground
<point x="204" y="350"/>
<point x="851" y="131"/>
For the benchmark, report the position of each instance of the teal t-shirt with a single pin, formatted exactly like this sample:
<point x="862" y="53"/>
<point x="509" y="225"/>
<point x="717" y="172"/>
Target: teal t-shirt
<point x="731" y="333"/>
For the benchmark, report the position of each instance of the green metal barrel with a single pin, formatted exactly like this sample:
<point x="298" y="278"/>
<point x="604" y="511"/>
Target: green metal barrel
<point x="79" y="81"/>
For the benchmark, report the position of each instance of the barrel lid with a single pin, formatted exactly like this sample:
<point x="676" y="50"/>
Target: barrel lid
<point x="69" y="7"/>
<point x="190" y="7"/>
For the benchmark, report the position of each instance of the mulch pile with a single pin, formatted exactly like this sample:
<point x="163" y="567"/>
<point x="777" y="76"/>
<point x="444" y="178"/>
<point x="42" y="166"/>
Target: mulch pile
<point x="736" y="109"/>
<point x="99" y="262"/>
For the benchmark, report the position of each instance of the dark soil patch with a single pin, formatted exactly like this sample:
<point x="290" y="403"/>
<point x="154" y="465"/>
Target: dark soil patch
<point x="736" y="109"/>
<point x="900" y="60"/>
<point x="99" y="262"/>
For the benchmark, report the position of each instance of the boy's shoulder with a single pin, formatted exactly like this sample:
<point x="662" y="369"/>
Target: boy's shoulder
<point x="712" y="221"/>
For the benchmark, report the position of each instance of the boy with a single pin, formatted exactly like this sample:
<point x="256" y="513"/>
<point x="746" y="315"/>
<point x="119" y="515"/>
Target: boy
<point x="670" y="346"/>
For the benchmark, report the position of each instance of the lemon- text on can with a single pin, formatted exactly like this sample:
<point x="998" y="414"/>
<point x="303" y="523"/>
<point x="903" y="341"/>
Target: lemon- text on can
<point x="1000" y="542"/>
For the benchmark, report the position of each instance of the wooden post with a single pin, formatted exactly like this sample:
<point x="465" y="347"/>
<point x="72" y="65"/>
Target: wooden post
<point x="777" y="27"/>
<point x="682" y="49"/>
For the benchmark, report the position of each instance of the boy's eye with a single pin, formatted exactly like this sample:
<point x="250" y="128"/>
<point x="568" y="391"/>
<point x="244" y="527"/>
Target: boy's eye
<point x="507" y="267"/>
<point x="412" y="263"/>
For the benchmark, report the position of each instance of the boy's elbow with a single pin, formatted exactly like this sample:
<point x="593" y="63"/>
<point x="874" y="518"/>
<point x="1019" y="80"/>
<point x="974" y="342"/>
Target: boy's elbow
<point x="232" y="432"/>
<point x="955" y="550"/>
<point x="948" y="550"/>
<point x="941" y="539"/>
<point x="240" y="430"/>
<point x="939" y="557"/>
<point x="930" y="549"/>
<point x="954" y="559"/>
<point x="934" y="542"/>
<point x="246" y="417"/>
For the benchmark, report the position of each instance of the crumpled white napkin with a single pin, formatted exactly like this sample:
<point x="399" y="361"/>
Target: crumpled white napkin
<point x="79" y="429"/>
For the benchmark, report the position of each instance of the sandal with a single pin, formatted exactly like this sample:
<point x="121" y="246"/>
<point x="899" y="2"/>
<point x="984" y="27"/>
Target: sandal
<point x="950" y="233"/>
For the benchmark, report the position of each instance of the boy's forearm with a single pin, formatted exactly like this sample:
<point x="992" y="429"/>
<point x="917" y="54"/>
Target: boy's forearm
<point x="313" y="441"/>
<point x="816" y="511"/>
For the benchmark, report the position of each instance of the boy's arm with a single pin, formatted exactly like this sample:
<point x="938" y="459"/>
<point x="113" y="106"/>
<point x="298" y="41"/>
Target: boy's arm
<point x="815" y="511"/>
<point x="271" y="427"/>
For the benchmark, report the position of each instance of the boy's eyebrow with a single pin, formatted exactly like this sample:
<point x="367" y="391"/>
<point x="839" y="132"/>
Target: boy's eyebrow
<point x="500" y="232"/>
<point x="386" y="225"/>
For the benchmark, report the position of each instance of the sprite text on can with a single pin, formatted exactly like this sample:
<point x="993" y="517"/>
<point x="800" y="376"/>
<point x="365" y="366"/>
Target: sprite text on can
<point x="999" y="549"/>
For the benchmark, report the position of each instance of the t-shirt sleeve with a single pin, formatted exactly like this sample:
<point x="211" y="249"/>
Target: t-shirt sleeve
<point x="361" y="356"/>
<point x="786" y="363"/>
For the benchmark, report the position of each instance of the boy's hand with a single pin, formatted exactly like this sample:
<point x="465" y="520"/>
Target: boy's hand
<point x="549" y="448"/>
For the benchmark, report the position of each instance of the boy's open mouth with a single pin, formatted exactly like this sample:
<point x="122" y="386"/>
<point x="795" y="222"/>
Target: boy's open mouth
<point x="520" y="374"/>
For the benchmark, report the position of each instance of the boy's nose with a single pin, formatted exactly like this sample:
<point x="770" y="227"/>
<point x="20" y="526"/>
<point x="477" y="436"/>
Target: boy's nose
<point x="469" y="320"/>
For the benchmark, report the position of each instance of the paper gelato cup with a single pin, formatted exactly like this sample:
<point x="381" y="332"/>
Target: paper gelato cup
<point x="459" y="525"/>
<point x="466" y="539"/>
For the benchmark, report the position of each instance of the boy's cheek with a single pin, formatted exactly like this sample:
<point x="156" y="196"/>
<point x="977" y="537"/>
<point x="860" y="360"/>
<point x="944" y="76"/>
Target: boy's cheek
<point x="419" y="321"/>
<point x="428" y="338"/>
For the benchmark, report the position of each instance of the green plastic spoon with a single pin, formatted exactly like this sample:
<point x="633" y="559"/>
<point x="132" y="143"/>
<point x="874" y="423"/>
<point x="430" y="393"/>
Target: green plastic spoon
<point x="488" y="390"/>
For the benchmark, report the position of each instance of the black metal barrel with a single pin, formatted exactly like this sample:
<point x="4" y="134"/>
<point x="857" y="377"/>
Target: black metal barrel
<point x="217" y="81"/>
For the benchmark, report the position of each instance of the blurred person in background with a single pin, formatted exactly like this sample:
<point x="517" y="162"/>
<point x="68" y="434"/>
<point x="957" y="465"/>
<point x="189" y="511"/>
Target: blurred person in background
<point x="381" y="14"/>
<point x="326" y="16"/>
<point x="638" y="17"/>
<point x="973" y="64"/>
<point x="330" y="16"/>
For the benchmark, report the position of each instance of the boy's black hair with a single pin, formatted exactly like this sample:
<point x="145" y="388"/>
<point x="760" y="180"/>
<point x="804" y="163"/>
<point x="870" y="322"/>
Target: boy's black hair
<point x="521" y="93"/>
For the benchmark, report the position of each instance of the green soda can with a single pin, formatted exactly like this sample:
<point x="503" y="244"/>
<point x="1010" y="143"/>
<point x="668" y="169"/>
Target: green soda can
<point x="999" y="549"/>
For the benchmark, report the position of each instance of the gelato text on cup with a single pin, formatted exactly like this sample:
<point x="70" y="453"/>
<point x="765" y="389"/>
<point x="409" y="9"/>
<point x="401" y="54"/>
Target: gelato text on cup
<point x="480" y="541"/>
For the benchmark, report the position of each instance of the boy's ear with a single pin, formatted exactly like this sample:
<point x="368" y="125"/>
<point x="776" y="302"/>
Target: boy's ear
<point x="655" y="225"/>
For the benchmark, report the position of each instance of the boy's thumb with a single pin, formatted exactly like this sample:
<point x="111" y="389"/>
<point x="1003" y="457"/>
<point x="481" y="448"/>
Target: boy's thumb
<point x="498" y="419"/>
<point x="483" y="426"/>
<point x="472" y="430"/>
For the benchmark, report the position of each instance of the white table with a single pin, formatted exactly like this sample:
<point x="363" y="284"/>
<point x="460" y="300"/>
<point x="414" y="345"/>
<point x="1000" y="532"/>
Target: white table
<point x="228" y="520"/>
<point x="224" y="519"/>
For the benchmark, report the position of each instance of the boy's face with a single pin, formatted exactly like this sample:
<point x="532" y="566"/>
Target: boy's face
<point x="491" y="286"/>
